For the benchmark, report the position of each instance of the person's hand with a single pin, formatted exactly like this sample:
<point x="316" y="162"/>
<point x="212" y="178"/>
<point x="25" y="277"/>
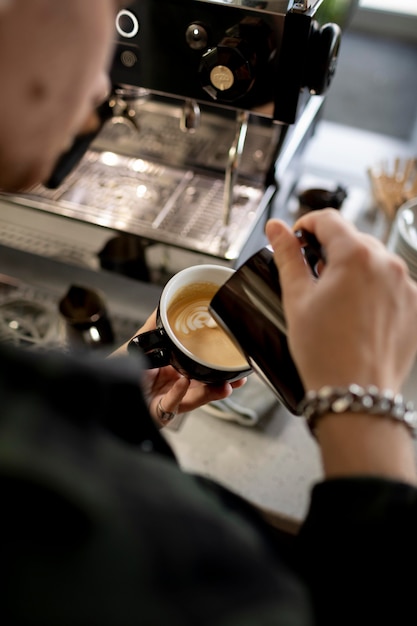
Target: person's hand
<point x="172" y="392"/>
<point x="357" y="322"/>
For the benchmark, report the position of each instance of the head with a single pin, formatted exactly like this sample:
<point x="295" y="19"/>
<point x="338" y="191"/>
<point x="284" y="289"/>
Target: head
<point x="54" y="62"/>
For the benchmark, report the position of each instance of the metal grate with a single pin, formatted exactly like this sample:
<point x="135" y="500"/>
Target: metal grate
<point x="56" y="247"/>
<point x="163" y="204"/>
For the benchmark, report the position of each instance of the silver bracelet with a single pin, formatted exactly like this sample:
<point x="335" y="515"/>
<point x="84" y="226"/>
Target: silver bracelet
<point x="357" y="399"/>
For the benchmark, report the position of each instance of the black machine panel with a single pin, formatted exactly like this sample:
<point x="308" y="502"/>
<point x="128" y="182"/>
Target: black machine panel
<point x="239" y="54"/>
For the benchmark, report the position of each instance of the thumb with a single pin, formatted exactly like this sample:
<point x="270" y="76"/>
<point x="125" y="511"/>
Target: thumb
<point x="294" y="273"/>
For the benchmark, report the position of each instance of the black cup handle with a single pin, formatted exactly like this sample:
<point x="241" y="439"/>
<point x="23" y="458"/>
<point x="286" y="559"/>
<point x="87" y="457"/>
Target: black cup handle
<point x="152" y="345"/>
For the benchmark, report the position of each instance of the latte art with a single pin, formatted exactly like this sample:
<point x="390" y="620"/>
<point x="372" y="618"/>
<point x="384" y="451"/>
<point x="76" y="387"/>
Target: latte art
<point x="197" y="331"/>
<point x="194" y="317"/>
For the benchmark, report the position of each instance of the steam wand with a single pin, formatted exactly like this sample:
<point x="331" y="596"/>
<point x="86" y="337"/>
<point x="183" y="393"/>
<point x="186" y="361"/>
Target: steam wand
<point x="234" y="158"/>
<point x="122" y="103"/>
<point x="190" y="118"/>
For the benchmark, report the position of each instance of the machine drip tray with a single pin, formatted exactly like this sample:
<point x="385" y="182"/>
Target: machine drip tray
<point x="160" y="203"/>
<point x="165" y="185"/>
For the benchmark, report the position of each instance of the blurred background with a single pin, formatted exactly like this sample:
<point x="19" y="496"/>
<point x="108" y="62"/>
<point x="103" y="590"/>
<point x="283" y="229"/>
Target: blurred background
<point x="375" y="86"/>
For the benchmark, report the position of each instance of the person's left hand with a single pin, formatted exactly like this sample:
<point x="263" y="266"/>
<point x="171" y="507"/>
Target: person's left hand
<point x="167" y="389"/>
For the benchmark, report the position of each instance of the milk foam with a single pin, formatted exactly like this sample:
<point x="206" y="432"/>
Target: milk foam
<point x="194" y="317"/>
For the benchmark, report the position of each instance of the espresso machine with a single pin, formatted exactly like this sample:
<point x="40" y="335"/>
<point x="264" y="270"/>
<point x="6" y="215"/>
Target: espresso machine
<point x="212" y="104"/>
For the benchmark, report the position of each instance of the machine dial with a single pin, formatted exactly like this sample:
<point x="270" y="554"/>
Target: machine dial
<point x="197" y="37"/>
<point x="322" y="57"/>
<point x="228" y="71"/>
<point x="127" y="24"/>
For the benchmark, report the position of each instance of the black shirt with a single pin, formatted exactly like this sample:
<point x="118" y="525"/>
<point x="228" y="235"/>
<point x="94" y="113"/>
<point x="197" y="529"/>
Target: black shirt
<point x="100" y="526"/>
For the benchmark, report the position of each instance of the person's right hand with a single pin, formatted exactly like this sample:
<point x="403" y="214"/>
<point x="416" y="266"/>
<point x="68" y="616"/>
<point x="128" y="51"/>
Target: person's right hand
<point x="357" y="323"/>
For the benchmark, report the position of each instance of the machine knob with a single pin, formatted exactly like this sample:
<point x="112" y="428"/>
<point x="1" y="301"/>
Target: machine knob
<point x="323" y="51"/>
<point x="228" y="70"/>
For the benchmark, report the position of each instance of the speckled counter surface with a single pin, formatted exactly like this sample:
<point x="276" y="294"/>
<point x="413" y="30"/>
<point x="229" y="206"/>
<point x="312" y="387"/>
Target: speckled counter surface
<point x="275" y="463"/>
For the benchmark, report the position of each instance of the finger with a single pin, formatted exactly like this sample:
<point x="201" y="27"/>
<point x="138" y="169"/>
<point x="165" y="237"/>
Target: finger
<point x="337" y="235"/>
<point x="331" y="229"/>
<point x="164" y="407"/>
<point x="200" y="394"/>
<point x="172" y="399"/>
<point x="312" y="220"/>
<point x="293" y="271"/>
<point x="239" y="383"/>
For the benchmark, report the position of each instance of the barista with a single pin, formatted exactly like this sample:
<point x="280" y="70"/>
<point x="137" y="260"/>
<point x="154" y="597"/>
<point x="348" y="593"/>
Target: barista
<point x="99" y="525"/>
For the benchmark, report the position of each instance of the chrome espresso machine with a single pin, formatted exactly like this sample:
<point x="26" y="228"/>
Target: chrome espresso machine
<point x="212" y="104"/>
